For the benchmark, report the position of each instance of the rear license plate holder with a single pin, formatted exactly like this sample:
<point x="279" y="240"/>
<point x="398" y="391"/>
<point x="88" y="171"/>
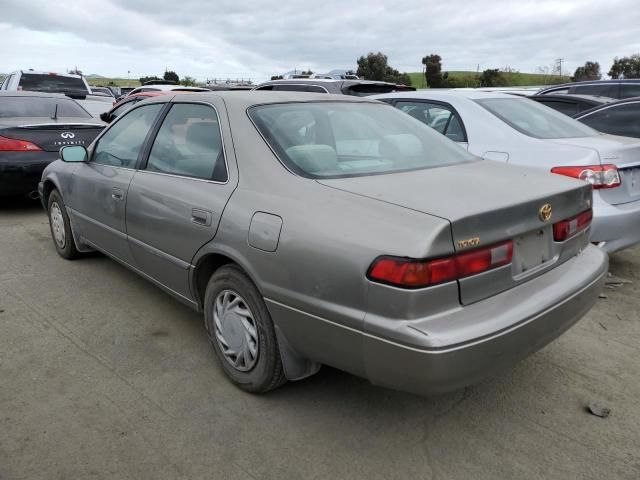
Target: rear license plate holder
<point x="532" y="250"/>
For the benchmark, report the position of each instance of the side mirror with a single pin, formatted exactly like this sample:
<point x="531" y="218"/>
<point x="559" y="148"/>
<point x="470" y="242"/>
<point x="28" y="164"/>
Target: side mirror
<point x="105" y="117"/>
<point x="73" y="153"/>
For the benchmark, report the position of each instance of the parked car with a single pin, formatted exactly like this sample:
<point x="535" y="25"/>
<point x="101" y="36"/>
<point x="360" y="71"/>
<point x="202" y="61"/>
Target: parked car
<point x="73" y="86"/>
<point x="617" y="118"/>
<point x="607" y="88"/>
<point x="338" y="231"/>
<point x="571" y="104"/>
<point x="33" y="127"/>
<point x="519" y="131"/>
<point x="359" y="88"/>
<point x="102" y="90"/>
<point x="166" y="88"/>
<point x="126" y="104"/>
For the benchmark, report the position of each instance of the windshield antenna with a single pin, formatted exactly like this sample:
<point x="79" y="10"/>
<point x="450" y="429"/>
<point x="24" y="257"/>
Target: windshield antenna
<point x="55" y="113"/>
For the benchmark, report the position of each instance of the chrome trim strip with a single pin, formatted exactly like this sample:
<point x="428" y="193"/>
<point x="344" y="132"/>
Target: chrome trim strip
<point x="112" y="230"/>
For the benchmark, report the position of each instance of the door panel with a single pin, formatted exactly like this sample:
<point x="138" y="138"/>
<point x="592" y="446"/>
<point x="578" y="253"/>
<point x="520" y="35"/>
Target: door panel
<point x="175" y="202"/>
<point x="99" y="188"/>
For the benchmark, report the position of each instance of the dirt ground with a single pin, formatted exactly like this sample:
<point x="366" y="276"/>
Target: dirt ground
<point x="102" y="375"/>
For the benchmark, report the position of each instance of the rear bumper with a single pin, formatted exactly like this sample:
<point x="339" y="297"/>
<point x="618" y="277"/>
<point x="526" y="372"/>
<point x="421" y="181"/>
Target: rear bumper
<point x="615" y="227"/>
<point x="20" y="172"/>
<point x="443" y="356"/>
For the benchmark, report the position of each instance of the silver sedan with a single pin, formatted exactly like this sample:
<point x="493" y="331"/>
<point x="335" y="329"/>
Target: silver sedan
<point x="316" y="230"/>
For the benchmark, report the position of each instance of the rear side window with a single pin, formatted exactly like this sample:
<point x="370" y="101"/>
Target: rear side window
<point x="41" y="82"/>
<point x="439" y="117"/>
<point x="628" y="90"/>
<point x="602" y="89"/>
<point x="616" y="120"/>
<point x="27" y="106"/>
<point x="364" y="89"/>
<point x="121" y="144"/>
<point x="189" y="144"/>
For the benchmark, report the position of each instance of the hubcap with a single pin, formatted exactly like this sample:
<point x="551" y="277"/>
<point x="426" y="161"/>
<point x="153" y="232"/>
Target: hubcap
<point x="57" y="225"/>
<point x="235" y="330"/>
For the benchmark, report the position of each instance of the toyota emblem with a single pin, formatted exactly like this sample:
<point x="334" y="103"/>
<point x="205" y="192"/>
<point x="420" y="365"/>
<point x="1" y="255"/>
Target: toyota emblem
<point x="67" y="135"/>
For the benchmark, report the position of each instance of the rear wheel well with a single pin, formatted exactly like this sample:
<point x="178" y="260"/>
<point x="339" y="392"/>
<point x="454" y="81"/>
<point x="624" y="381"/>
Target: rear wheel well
<point x="205" y="268"/>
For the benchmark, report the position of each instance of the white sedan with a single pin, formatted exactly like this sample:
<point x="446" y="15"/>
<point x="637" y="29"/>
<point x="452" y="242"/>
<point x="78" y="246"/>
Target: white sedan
<point x="519" y="131"/>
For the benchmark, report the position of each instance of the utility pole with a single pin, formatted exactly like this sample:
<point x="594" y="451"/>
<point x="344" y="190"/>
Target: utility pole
<point x="559" y="65"/>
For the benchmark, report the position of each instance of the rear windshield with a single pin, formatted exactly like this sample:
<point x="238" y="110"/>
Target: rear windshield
<point x="363" y="89"/>
<point x="40" y="107"/>
<point x="40" y="82"/>
<point x="534" y="119"/>
<point x="345" y="139"/>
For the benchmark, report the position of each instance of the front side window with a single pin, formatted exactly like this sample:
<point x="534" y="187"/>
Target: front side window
<point x="603" y="89"/>
<point x="439" y="117"/>
<point x="122" y="142"/>
<point x="125" y="107"/>
<point x="616" y="120"/>
<point x="189" y="144"/>
<point x="535" y="120"/>
<point x="345" y="139"/>
<point x="629" y="90"/>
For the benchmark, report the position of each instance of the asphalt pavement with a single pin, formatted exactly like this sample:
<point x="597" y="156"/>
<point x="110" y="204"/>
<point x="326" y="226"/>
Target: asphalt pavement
<point x="103" y="376"/>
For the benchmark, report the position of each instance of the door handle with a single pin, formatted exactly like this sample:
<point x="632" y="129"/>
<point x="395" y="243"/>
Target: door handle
<point x="201" y="217"/>
<point x="117" y="194"/>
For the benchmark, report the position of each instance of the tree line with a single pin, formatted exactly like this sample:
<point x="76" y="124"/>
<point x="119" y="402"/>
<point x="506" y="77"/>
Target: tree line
<point x="375" y="66"/>
<point x="170" y="76"/>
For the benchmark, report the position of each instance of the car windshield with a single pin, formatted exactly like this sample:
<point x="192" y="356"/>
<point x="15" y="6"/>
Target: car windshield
<point x="40" y="107"/>
<point x="534" y="119"/>
<point x="41" y="82"/>
<point x="345" y="139"/>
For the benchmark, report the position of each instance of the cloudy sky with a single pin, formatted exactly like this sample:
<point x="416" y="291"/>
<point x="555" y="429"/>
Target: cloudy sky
<point x="256" y="39"/>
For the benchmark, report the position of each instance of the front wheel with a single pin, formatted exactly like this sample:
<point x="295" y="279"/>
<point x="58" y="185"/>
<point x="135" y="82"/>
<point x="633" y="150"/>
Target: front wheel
<point x="241" y="331"/>
<point x="60" y="227"/>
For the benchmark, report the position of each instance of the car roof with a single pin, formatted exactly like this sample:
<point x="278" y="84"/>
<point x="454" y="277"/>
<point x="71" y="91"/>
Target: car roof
<point x="444" y="94"/>
<point x="289" y="81"/>
<point x="248" y="98"/>
<point x="607" y="105"/>
<point x="596" y="99"/>
<point x="41" y="72"/>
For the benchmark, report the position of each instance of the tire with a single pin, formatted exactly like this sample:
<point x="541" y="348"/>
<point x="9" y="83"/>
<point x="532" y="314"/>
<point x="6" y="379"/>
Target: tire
<point x="237" y="319"/>
<point x="60" y="227"/>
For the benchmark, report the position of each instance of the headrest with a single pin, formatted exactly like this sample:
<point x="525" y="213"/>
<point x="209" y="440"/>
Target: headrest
<point x="313" y="159"/>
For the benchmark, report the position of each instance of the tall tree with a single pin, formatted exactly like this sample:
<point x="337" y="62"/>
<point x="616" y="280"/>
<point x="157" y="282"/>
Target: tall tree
<point x="433" y="70"/>
<point x="589" y="71"/>
<point x="375" y="66"/>
<point x="171" y="76"/>
<point x="626" y="67"/>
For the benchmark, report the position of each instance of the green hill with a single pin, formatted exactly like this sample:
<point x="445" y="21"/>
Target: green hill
<point x="468" y="79"/>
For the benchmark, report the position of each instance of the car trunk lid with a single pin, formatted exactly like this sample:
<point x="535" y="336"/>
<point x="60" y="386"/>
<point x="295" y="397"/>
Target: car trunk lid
<point x="485" y="203"/>
<point x="49" y="134"/>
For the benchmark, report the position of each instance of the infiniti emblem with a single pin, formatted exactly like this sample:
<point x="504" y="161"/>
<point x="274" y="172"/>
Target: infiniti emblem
<point x="67" y="135"/>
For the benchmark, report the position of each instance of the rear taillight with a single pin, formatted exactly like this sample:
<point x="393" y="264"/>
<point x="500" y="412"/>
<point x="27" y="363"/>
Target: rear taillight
<point x="566" y="229"/>
<point x="412" y="273"/>
<point x="13" y="145"/>
<point x="600" y="176"/>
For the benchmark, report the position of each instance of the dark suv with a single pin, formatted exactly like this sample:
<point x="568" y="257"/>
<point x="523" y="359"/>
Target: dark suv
<point x="605" y="88"/>
<point x="359" y="88"/>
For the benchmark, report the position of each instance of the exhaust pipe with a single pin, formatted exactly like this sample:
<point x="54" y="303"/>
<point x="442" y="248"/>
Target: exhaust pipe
<point x="34" y="195"/>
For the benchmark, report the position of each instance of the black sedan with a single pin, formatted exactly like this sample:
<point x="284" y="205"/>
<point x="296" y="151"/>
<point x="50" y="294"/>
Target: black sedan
<point x="33" y="127"/>
<point x="617" y="118"/>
